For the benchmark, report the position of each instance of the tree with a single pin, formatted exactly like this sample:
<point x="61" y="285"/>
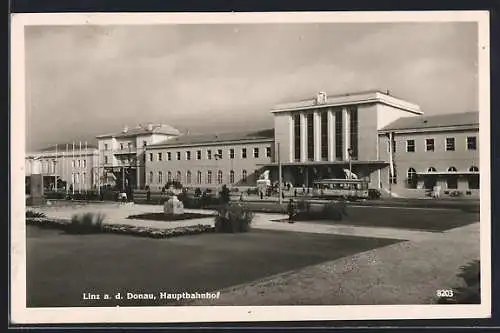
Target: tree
<point x="224" y="194"/>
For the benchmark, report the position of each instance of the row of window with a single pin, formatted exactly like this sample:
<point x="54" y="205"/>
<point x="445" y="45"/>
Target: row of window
<point x="199" y="177"/>
<point x="411" y="176"/>
<point x="218" y="154"/>
<point x="50" y="166"/>
<point x="75" y="178"/>
<point x="130" y="145"/>
<point x="471" y="144"/>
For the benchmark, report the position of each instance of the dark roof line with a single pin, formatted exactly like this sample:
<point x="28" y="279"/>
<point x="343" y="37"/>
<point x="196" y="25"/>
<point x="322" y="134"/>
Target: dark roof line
<point x="434" y="121"/>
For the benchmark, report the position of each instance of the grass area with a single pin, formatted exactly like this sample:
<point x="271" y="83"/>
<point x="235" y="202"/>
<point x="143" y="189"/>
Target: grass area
<point x="433" y="220"/>
<point x="168" y="218"/>
<point x="63" y="267"/>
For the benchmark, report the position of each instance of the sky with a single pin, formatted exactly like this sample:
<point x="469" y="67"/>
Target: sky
<point x="82" y="81"/>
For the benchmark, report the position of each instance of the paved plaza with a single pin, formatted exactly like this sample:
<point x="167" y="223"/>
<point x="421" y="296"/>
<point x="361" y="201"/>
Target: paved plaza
<point x="309" y="262"/>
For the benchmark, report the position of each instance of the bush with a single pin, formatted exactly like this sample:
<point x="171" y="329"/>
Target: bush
<point x="86" y="223"/>
<point x="233" y="218"/>
<point x="55" y="195"/>
<point x="374" y="194"/>
<point x="471" y="293"/>
<point x="31" y="213"/>
<point x="252" y="191"/>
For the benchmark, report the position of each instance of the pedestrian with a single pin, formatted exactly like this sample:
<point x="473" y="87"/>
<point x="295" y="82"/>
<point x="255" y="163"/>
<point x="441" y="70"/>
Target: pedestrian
<point x="291" y="211"/>
<point x="261" y="195"/>
<point x="295" y="193"/>
<point x="282" y="194"/>
<point x="148" y="194"/>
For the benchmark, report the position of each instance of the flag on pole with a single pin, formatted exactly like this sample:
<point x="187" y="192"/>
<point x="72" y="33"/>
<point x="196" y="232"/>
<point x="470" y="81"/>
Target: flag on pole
<point x="55" y="170"/>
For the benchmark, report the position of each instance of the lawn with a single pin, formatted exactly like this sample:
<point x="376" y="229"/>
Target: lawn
<point x="167" y="218"/>
<point x="62" y="267"/>
<point x="433" y="220"/>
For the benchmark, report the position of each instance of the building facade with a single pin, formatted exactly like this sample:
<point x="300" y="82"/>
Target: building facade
<point x="122" y="155"/>
<point x="208" y="161"/>
<point x="432" y="151"/>
<point x="378" y="137"/>
<point x="72" y="167"/>
<point x="323" y="136"/>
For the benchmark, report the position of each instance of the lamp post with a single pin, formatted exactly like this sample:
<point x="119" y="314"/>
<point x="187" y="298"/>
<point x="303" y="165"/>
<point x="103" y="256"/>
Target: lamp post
<point x="217" y="158"/>
<point x="279" y="174"/>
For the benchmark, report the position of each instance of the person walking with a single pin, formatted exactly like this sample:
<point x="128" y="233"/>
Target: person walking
<point x="291" y="211"/>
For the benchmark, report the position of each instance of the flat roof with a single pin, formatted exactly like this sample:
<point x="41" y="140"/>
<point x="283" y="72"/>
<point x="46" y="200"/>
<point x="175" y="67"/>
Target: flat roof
<point x="352" y="98"/>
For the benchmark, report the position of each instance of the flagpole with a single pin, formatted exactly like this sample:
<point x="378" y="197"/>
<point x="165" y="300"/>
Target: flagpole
<point x="391" y="164"/>
<point x="73" y="170"/>
<point x="79" y="167"/>
<point x="55" y="172"/>
<point x="66" y="169"/>
<point x="85" y="164"/>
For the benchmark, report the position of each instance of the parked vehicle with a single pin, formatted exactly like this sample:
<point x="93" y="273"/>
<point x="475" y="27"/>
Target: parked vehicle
<point x="341" y="188"/>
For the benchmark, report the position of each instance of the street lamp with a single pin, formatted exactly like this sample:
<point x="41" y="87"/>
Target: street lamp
<point x="217" y="157"/>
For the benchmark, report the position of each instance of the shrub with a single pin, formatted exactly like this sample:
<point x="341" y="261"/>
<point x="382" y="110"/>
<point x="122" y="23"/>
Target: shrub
<point x="86" y="223"/>
<point x="55" y="195"/>
<point x="471" y="292"/>
<point x="31" y="213"/>
<point x="374" y="194"/>
<point x="233" y="218"/>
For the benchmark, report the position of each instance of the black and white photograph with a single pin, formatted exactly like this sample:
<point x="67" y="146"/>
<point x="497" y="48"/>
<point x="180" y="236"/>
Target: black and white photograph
<point x="250" y="167"/>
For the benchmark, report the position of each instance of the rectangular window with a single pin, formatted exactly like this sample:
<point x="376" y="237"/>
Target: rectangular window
<point x="169" y="156"/>
<point x="353" y="128"/>
<point x="188" y="155"/>
<point x="209" y="177"/>
<point x="198" y="155"/>
<point x="198" y="177"/>
<point x="310" y="136"/>
<point x="178" y="156"/>
<point x="429" y="144"/>
<point x="296" y="129"/>
<point x="121" y="146"/>
<point x="450" y="144"/>
<point x="219" y="152"/>
<point x="209" y="154"/>
<point x="160" y="177"/>
<point x="105" y="146"/>
<point x="105" y="161"/>
<point x="324" y="136"/>
<point x="410" y="146"/>
<point x="243" y="153"/>
<point x="150" y="157"/>
<point x="231" y="153"/>
<point x="84" y="163"/>
<point x="471" y="143"/>
<point x="339" y="138"/>
<point x="256" y="152"/>
<point x="160" y="156"/>
<point x="268" y="151"/>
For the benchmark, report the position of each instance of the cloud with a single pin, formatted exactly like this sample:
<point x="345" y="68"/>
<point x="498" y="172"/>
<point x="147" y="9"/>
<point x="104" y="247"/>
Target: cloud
<point x="94" y="79"/>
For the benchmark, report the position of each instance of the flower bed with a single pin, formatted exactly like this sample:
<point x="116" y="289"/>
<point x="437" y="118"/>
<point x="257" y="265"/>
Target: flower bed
<point x="126" y="229"/>
<point x="168" y="218"/>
